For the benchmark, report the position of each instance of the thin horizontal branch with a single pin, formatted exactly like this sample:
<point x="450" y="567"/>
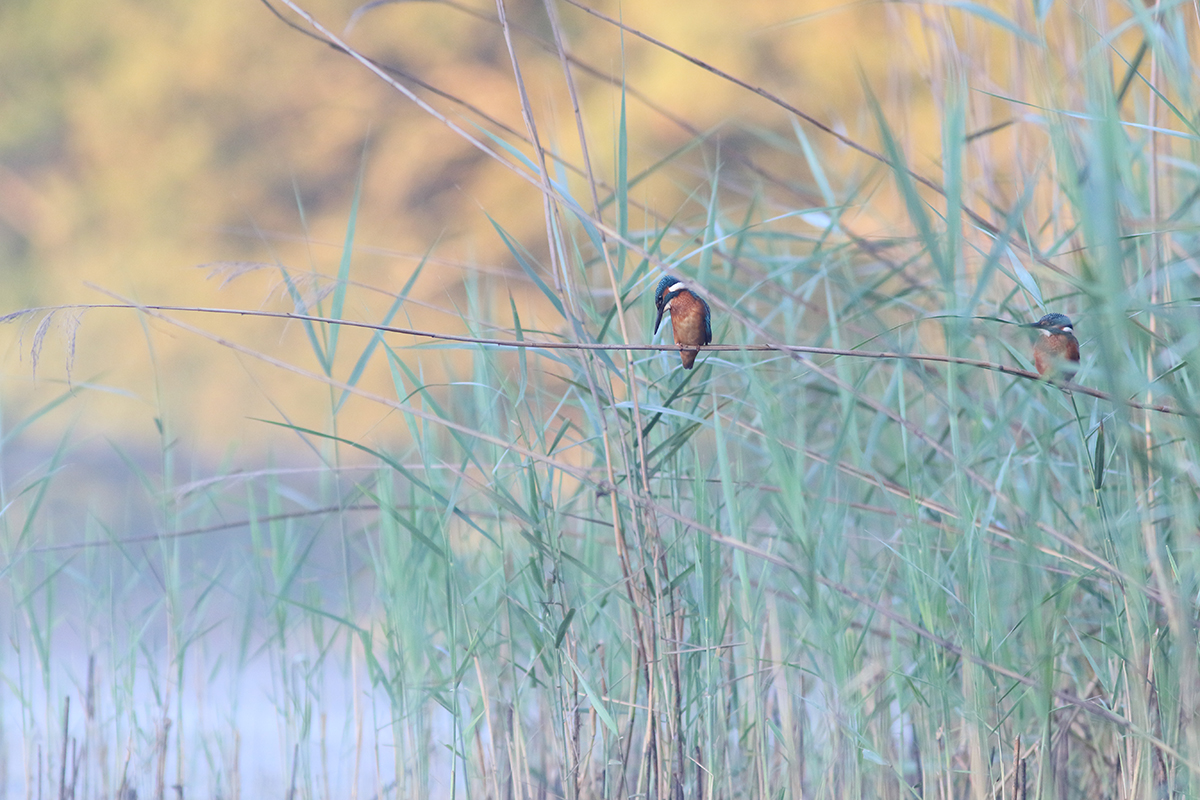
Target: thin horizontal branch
<point x="544" y="345"/>
<point x="214" y="528"/>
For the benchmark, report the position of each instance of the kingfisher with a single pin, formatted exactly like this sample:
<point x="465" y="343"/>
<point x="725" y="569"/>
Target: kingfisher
<point x="690" y="318"/>
<point x="1056" y="353"/>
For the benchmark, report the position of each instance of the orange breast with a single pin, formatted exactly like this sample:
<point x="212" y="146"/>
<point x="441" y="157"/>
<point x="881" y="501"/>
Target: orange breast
<point x="687" y="323"/>
<point x="1056" y="354"/>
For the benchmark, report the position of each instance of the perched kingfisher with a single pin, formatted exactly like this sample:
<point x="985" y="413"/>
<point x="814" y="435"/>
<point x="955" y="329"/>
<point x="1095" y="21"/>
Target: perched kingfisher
<point x="690" y="318"/>
<point x="1056" y="353"/>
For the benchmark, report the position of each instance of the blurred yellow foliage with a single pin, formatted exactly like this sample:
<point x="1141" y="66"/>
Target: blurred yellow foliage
<point x="139" y="140"/>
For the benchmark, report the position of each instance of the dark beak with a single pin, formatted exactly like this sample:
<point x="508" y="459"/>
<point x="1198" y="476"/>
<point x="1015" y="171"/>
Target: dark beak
<point x="658" y="320"/>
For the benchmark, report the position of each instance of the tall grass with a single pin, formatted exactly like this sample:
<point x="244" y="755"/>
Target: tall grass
<point x="591" y="574"/>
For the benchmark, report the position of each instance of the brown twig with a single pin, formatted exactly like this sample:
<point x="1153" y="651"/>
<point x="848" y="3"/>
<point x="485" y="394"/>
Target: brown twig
<point x="544" y="345"/>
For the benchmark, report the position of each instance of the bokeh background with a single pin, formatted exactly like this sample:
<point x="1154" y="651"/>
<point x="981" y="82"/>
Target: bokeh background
<point x="141" y="142"/>
<point x="215" y="155"/>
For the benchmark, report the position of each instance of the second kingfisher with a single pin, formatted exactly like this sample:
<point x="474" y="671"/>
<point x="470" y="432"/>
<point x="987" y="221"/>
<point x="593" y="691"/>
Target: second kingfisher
<point x="690" y="318"/>
<point x="1056" y="353"/>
